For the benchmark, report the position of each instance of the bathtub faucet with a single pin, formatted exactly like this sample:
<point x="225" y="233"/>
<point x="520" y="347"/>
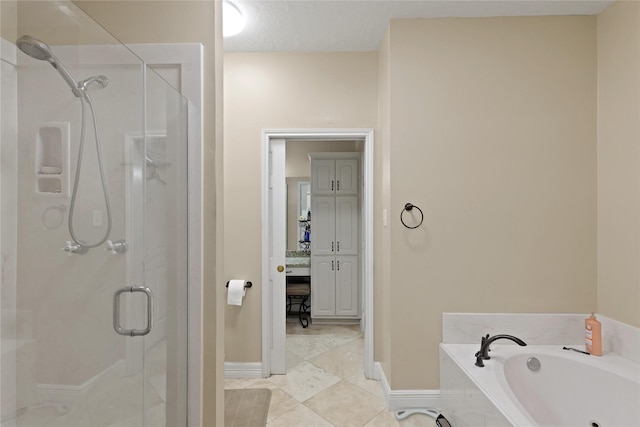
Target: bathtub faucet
<point x="483" y="354"/>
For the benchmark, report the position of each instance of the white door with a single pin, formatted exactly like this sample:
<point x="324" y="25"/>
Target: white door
<point x="277" y="252"/>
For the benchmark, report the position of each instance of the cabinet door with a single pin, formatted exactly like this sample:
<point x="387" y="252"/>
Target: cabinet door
<point x="323" y="286"/>
<point x="346" y="171"/>
<point x="323" y="176"/>
<point x="347" y="225"/>
<point x="347" y="291"/>
<point x="323" y="225"/>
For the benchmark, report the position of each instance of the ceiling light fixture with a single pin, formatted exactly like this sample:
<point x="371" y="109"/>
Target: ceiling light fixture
<point x="232" y="19"/>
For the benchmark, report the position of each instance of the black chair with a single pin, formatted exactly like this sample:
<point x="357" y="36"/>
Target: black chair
<point x="301" y="292"/>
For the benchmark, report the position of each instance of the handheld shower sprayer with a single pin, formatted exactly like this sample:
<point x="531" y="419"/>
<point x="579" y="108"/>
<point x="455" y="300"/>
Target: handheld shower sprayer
<point x="37" y="49"/>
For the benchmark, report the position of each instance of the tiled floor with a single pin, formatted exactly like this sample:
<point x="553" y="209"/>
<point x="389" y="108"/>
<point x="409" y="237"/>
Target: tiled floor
<point x="325" y="385"/>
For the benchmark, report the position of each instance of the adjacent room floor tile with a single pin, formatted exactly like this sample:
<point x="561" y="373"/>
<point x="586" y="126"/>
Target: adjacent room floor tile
<point x="342" y="362"/>
<point x="305" y="381"/>
<point x="300" y="416"/>
<point x="325" y="383"/>
<point x="345" y="404"/>
<point x="372" y="386"/>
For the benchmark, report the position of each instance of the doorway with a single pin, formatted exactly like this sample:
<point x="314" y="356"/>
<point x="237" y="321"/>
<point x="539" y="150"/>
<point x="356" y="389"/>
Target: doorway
<point x="274" y="236"/>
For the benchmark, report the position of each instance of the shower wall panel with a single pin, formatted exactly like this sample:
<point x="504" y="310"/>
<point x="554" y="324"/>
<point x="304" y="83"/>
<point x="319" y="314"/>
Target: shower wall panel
<point x="15" y="326"/>
<point x="48" y="276"/>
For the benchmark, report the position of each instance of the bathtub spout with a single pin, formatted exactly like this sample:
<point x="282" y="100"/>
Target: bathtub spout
<point x="483" y="354"/>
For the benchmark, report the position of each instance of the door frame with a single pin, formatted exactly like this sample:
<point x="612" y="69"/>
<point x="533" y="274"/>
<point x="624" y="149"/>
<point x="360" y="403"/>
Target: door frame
<point x="272" y="332"/>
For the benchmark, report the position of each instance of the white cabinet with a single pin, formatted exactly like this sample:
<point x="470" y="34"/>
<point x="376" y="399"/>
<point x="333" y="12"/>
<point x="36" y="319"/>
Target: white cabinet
<point x="347" y="214"/>
<point x="323" y="210"/>
<point x="335" y="278"/>
<point x="323" y="286"/>
<point x="347" y="289"/>
<point x="334" y="176"/>
<point x="335" y="225"/>
<point x="338" y="292"/>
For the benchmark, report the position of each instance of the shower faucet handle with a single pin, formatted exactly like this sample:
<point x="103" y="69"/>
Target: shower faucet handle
<point x="118" y="247"/>
<point x="74" y="248"/>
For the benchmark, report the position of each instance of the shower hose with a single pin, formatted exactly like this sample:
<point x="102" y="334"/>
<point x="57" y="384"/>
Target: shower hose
<point x="85" y="99"/>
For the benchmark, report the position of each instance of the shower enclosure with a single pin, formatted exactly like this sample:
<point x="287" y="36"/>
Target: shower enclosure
<point x="93" y="227"/>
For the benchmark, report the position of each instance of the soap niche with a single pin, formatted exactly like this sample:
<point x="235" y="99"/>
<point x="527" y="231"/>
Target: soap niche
<point x="52" y="159"/>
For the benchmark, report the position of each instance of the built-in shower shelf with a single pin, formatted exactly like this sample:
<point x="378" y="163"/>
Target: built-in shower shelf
<point x="52" y="159"/>
<point x="50" y="170"/>
<point x="49" y="185"/>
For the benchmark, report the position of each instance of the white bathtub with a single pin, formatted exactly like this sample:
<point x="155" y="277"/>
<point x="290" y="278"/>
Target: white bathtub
<point x="570" y="389"/>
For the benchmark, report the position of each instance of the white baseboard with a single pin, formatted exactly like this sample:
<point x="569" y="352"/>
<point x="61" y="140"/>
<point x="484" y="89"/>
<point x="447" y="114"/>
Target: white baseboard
<point x="234" y="370"/>
<point x="405" y="399"/>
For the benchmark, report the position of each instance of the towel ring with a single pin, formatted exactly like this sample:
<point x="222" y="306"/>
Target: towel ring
<point x="408" y="207"/>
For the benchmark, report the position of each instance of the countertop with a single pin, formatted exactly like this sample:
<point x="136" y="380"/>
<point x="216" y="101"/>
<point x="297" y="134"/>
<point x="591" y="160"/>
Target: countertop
<point x="297" y="259"/>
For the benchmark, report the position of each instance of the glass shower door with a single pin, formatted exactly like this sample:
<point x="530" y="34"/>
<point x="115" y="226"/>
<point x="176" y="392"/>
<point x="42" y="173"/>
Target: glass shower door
<point x="70" y="367"/>
<point x="79" y="348"/>
<point x="165" y="250"/>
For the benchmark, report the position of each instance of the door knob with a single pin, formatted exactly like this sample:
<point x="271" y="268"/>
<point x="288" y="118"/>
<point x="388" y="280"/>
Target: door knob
<point x="280" y="268"/>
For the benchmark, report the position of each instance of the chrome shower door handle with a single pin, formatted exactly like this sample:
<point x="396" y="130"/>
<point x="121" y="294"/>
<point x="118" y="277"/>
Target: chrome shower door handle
<point x="116" y="311"/>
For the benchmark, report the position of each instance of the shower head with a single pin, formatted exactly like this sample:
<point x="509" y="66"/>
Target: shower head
<point x="34" y="48"/>
<point x="40" y="50"/>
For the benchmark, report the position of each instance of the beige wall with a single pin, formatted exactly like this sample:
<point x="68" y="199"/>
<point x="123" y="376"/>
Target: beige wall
<point x="473" y="130"/>
<point x="277" y="91"/>
<point x="8" y="20"/>
<point x="619" y="162"/>
<point x="184" y="21"/>
<point x="492" y="134"/>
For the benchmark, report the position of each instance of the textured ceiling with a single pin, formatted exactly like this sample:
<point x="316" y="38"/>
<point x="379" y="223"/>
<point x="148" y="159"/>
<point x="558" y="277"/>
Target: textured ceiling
<point x="358" y="25"/>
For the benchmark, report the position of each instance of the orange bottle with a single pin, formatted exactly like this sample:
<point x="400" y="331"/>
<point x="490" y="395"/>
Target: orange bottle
<point x="593" y="335"/>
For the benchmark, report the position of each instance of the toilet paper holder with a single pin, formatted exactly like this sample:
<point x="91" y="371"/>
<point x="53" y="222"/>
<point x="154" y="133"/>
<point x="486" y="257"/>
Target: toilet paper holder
<point x="246" y="285"/>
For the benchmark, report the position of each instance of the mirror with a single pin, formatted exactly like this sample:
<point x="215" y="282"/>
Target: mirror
<point x="304" y="198"/>
<point x="298" y="203"/>
<point x="304" y="204"/>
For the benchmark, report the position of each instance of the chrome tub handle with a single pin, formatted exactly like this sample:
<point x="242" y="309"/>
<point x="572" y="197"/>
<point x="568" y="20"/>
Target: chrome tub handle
<point x="116" y="311"/>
